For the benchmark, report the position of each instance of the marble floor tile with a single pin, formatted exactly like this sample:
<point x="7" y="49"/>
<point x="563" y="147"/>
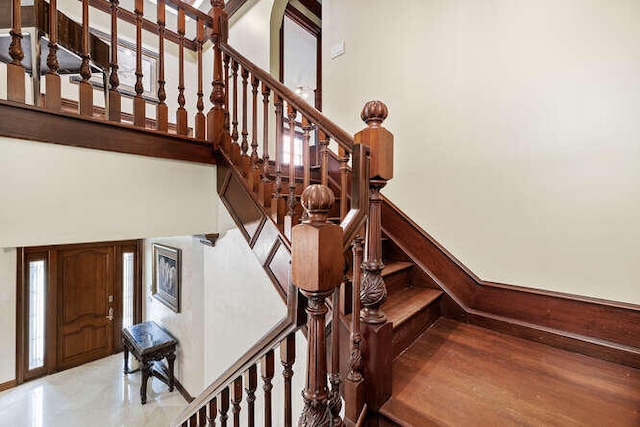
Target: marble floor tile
<point x="96" y="394"/>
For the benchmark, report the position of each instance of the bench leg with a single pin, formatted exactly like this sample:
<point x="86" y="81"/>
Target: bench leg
<point x="126" y="359"/>
<point x="171" y="358"/>
<point x="146" y="372"/>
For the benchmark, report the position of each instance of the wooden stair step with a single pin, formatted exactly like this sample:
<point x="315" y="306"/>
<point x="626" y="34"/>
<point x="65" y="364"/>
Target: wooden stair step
<point x="400" y="306"/>
<point x="395" y="266"/>
<point x="397" y="275"/>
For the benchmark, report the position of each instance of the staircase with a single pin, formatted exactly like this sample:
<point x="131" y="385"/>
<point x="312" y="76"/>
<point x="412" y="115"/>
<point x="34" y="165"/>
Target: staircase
<point x="431" y="344"/>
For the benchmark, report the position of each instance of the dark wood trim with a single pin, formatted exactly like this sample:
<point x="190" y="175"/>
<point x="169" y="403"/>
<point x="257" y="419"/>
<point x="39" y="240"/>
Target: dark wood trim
<point x="183" y="391"/>
<point x="138" y="294"/>
<point x="313" y="6"/>
<point x="20" y="315"/>
<point x="302" y="20"/>
<point x="233" y="6"/>
<point x="72" y="130"/>
<point x="605" y="329"/>
<point x="8" y="384"/>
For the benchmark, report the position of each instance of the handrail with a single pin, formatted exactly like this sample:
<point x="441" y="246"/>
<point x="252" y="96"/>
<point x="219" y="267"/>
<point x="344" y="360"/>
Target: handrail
<point x="357" y="215"/>
<point x="315" y="116"/>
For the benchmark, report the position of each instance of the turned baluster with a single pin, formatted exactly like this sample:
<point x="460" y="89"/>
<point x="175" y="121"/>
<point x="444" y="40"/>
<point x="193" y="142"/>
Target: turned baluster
<point x="213" y="411"/>
<point x="344" y="181"/>
<point x="306" y="151"/>
<point x="181" y="114"/>
<point x="290" y="219"/>
<point x="53" y="99"/>
<point x="264" y="189"/>
<point x="227" y="119"/>
<point x="85" y="105"/>
<point x="244" y="145"/>
<point x="278" y="202"/>
<point x="224" y="407"/>
<point x="236" y="400"/>
<point x="316" y="268"/>
<point x="254" y="168"/>
<point x="202" y="416"/>
<point x="324" y="157"/>
<point x="335" y="400"/>
<point x="354" y="385"/>
<point x="15" y="69"/>
<point x="162" y="111"/>
<point x="287" y="359"/>
<point x="115" y="112"/>
<point x="251" y="383"/>
<point x="267" y="367"/>
<point x="193" y="420"/>
<point x="200" y="119"/>
<point x="139" y="105"/>
<point x="377" y="331"/>
<point x="219" y="97"/>
<point x="235" y="148"/>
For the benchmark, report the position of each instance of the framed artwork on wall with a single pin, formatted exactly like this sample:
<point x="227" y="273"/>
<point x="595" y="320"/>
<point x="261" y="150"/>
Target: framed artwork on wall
<point x="167" y="272"/>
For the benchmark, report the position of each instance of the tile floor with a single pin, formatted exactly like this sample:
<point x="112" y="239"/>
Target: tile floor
<point x="93" y="395"/>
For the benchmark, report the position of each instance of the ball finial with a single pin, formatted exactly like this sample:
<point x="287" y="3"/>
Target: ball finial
<point x="374" y="113"/>
<point x="317" y="200"/>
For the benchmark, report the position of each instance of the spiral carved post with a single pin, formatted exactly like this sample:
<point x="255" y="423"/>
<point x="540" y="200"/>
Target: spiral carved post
<point x="377" y="331"/>
<point x="53" y="100"/>
<point x="215" y="116"/>
<point x="316" y="268"/>
<point x="15" y="69"/>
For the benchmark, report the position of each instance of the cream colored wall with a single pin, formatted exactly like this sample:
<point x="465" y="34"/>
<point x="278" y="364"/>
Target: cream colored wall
<point x="516" y="129"/>
<point x="7" y="314"/>
<point x="249" y="32"/>
<point x="187" y="326"/>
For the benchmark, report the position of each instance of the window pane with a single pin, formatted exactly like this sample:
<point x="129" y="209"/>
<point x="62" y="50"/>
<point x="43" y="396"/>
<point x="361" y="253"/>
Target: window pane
<point x="286" y="151"/>
<point x="127" y="289"/>
<point x="36" y="313"/>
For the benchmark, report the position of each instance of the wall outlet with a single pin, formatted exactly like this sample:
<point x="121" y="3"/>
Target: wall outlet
<point x="337" y="49"/>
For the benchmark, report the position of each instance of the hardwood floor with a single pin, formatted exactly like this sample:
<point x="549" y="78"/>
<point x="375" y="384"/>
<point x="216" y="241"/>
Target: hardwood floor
<point x="462" y="375"/>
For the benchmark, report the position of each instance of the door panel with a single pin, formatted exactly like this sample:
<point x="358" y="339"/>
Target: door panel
<point x="85" y="281"/>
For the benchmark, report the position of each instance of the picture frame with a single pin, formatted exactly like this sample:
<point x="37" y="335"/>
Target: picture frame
<point x="167" y="275"/>
<point x="127" y="70"/>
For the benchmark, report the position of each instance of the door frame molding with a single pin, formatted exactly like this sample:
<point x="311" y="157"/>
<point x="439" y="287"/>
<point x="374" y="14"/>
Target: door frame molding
<point x="49" y="254"/>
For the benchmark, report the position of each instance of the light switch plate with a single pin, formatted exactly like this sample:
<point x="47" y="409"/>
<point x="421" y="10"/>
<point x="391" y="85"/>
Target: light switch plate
<point x="337" y="49"/>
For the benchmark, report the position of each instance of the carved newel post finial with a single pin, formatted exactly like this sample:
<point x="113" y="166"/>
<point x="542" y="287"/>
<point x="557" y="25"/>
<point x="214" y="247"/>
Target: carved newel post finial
<point x="373" y="290"/>
<point x="316" y="268"/>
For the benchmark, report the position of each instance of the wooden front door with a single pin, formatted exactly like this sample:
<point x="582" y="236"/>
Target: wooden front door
<point x="86" y="313"/>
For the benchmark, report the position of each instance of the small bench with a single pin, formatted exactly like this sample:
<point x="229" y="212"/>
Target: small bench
<point x="148" y="342"/>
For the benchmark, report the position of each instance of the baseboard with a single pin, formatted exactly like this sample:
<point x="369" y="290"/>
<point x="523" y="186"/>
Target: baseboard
<point x="183" y="391"/>
<point x="8" y="384"/>
<point x="599" y="328"/>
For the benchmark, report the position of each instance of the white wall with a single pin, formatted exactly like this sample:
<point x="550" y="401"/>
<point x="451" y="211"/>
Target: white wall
<point x="188" y="325"/>
<point x="249" y="32"/>
<point x="7" y="314"/>
<point x="516" y="130"/>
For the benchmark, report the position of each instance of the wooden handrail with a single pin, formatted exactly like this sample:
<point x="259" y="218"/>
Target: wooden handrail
<point x="296" y="101"/>
<point x="357" y="215"/>
<point x="271" y="339"/>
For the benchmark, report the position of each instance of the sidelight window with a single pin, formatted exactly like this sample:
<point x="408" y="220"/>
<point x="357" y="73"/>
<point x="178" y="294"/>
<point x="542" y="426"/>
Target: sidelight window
<point x="37" y="285"/>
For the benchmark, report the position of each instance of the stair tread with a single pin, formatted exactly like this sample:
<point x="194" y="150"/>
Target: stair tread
<point x="395" y="266"/>
<point x="400" y="306"/>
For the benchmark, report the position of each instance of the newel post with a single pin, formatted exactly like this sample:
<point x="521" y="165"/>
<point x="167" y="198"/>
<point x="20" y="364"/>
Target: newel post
<point x="316" y="267"/>
<point x="216" y="115"/>
<point x="377" y="330"/>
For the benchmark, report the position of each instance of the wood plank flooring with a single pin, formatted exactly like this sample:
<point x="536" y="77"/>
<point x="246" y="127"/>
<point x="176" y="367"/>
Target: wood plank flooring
<point x="461" y="375"/>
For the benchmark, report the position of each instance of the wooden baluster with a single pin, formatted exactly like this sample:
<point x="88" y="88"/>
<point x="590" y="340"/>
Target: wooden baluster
<point x="236" y="400"/>
<point x="324" y="158"/>
<point x="162" y="110"/>
<point x="181" y="114"/>
<point x="202" y="416"/>
<point x="254" y="170"/>
<point x="287" y="359"/>
<point x="227" y="119"/>
<point x="267" y="369"/>
<point x="306" y="151"/>
<point x="200" y="119"/>
<point x="354" y="385"/>
<point x="224" y="406"/>
<point x="213" y="412"/>
<point x="15" y="69"/>
<point x="335" y="400"/>
<point x="246" y="161"/>
<point x="316" y="268"/>
<point x="278" y="203"/>
<point x="251" y="383"/>
<point x="85" y="106"/>
<point x="193" y="420"/>
<point x="235" y="148"/>
<point x="139" y="105"/>
<point x="115" y="112"/>
<point x="53" y="99"/>
<point x="377" y="331"/>
<point x="290" y="220"/>
<point x="216" y="134"/>
<point x="344" y="181"/>
<point x="265" y="188"/>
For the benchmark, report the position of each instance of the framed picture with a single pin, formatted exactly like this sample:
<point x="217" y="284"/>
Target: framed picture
<point x="127" y="70"/>
<point x="167" y="272"/>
